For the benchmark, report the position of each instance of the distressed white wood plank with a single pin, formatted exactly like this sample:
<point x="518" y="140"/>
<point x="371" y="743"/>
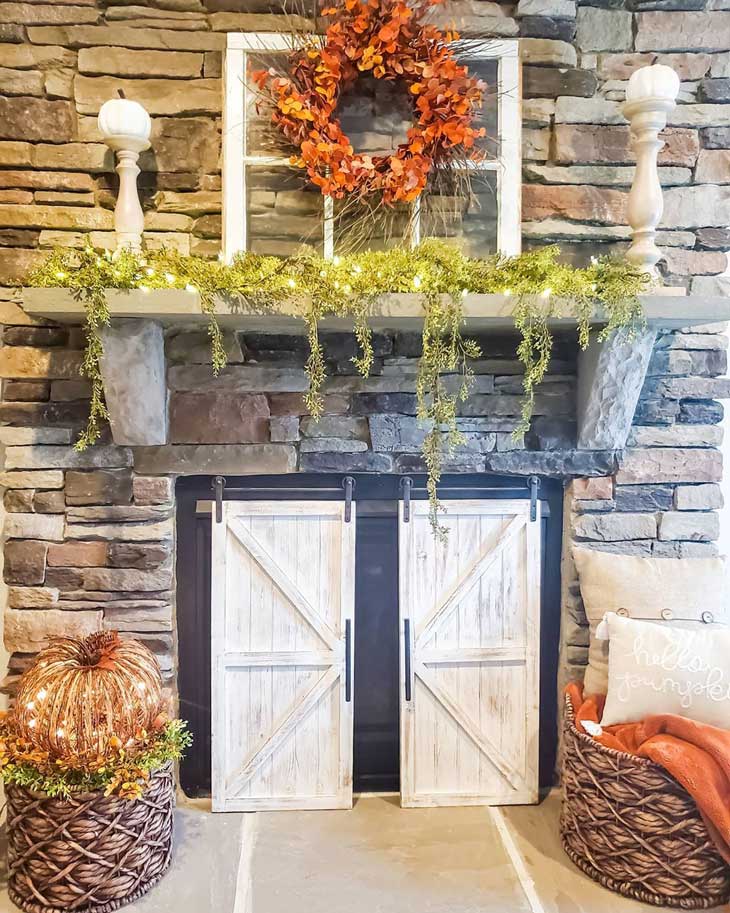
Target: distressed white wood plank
<point x="282" y="730"/>
<point x="286" y="730"/>
<point x="284" y="584"/>
<point x="483" y="743"/>
<point x="482" y="564"/>
<point x="469" y="733"/>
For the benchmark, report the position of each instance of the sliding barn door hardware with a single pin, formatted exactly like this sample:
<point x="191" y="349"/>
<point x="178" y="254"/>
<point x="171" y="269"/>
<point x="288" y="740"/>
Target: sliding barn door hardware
<point x="533" y="483"/>
<point x="406" y="484"/>
<point x="219" y="483"/>
<point x="348" y="483"/>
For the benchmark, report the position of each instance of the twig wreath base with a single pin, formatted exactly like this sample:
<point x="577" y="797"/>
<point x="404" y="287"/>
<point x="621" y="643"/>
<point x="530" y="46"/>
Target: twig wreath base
<point x="347" y="287"/>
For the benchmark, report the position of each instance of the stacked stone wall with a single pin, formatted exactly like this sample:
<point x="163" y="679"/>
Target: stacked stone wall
<point x="90" y="537"/>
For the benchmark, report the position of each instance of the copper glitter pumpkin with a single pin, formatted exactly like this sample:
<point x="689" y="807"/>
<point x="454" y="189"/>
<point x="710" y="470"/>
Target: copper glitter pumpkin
<point x="85" y="697"/>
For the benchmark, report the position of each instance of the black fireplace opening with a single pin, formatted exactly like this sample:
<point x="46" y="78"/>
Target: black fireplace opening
<point x="376" y="739"/>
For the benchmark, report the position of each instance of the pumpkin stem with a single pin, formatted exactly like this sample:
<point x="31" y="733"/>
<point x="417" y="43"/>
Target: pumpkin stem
<point x="96" y="647"/>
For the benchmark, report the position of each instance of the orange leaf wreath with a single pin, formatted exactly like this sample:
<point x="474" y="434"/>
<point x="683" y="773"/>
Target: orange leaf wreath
<point x="388" y="39"/>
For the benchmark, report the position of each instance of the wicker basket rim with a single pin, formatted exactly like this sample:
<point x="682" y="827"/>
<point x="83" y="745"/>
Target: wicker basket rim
<point x="77" y="797"/>
<point x="614" y="752"/>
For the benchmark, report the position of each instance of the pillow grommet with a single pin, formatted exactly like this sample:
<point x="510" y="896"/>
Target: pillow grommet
<point x="708" y="618"/>
<point x="667" y="614"/>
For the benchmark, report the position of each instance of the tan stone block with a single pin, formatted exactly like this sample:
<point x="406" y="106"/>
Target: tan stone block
<point x="695" y="262"/>
<point x="587" y="204"/>
<point x="87" y="36"/>
<point x="62" y="198"/>
<point x="46" y="180"/>
<point x="77" y="554"/>
<point x="598" y="489"/>
<point x="701" y="31"/>
<point x="152" y="489"/>
<point x="36" y="119"/>
<point x="28" y="57"/>
<point x="158" y="96"/>
<point x="713" y="166"/>
<point x="264" y="22"/>
<point x="20" y="82"/>
<point x="168" y="12"/>
<point x="16" y="197"/>
<point x="16" y="263"/>
<point x="167" y="221"/>
<point x="47" y="14"/>
<point x="126" y="62"/>
<point x="77" y="219"/>
<point x="536" y="144"/>
<point x="594" y="144"/>
<point x="94" y="157"/>
<point x="50" y="478"/>
<point x="15" y="154"/>
<point x="32" y="597"/>
<point x="157" y="240"/>
<point x="24" y="361"/>
<point x="621" y="66"/>
<point x="658" y="464"/>
<point x="193" y="204"/>
<point x="20" y="501"/>
<point x="133" y="532"/>
<point x="34" y="526"/>
<point x="60" y="83"/>
<point x="30" y="631"/>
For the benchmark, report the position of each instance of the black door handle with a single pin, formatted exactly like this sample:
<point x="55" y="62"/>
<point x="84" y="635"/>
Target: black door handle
<point x="348" y="660"/>
<point x="407" y="646"/>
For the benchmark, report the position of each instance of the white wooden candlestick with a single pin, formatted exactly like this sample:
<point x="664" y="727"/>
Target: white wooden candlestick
<point x="125" y="126"/>
<point x="650" y="96"/>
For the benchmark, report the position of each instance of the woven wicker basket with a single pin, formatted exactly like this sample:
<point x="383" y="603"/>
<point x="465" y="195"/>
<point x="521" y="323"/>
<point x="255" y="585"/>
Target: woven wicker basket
<point x="632" y="828"/>
<point x="91" y="853"/>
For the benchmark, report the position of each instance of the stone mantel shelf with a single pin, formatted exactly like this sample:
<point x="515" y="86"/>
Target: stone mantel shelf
<point x="610" y="373"/>
<point x="669" y="310"/>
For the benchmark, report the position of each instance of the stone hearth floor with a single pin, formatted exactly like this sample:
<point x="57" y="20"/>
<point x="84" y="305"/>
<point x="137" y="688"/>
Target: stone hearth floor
<point x="376" y="858"/>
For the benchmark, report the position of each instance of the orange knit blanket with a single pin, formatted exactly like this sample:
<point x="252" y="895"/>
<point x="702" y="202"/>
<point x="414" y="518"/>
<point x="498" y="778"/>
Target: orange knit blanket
<point x="695" y="754"/>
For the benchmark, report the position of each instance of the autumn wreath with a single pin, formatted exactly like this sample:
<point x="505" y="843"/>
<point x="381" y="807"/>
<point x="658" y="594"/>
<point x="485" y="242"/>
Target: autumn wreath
<point x="389" y="39"/>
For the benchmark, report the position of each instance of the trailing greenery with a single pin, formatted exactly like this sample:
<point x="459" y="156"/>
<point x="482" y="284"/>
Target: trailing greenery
<point x="346" y="287"/>
<point x="124" y="772"/>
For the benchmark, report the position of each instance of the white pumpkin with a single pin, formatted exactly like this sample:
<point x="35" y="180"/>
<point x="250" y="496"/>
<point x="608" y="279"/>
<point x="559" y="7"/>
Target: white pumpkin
<point x="121" y="117"/>
<point x="657" y="81"/>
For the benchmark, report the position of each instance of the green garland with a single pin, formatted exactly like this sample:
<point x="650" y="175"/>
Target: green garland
<point x="347" y="287"/>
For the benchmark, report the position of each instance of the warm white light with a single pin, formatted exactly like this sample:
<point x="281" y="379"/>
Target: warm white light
<point x="416" y="282"/>
<point x="59" y="733"/>
<point x="169" y="278"/>
<point x="507" y="292"/>
<point x="464" y="292"/>
<point x="150" y="271"/>
<point x="41" y="694"/>
<point x="337" y="260"/>
<point x="546" y="292"/>
<point x="30" y="705"/>
<point x="31" y="724"/>
<point x="292" y="283"/>
<point x="144" y="288"/>
<point x="356" y="268"/>
<point x="141" y="686"/>
<point x="60" y="274"/>
<point x="190" y="288"/>
<point x="347" y="289"/>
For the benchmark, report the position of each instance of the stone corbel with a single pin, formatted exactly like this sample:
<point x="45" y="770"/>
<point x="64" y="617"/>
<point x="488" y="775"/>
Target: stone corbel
<point x="135" y="384"/>
<point x="610" y="377"/>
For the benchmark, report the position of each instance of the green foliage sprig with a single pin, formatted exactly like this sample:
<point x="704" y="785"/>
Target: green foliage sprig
<point x="124" y="773"/>
<point x="346" y="287"/>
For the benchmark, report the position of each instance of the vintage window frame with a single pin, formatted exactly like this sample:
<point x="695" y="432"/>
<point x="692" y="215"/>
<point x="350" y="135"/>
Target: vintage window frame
<point x="236" y="160"/>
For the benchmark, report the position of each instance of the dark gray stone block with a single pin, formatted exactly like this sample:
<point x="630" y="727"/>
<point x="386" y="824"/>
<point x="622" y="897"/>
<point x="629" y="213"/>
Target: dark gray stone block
<point x="544" y="27"/>
<point x="549" y="82"/>
<point x="714" y="90"/>
<point x="643" y="497"/>
<point x="556" y="464"/>
<point x="715" y="137"/>
<point x="345" y="462"/>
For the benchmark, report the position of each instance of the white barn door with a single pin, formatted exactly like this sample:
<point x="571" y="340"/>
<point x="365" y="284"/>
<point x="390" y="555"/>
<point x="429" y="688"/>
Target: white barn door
<point x="282" y="608"/>
<point x="470" y="634"/>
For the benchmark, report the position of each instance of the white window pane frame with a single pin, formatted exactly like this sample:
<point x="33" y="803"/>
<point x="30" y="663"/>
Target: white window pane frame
<point x="236" y="157"/>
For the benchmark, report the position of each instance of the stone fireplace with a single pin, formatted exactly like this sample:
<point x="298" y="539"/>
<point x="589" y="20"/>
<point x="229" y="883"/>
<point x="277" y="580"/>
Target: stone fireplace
<point x="630" y="431"/>
<point x="91" y="537"/>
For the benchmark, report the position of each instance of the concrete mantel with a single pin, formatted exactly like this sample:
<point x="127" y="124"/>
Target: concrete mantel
<point x="669" y="310"/>
<point x="610" y="373"/>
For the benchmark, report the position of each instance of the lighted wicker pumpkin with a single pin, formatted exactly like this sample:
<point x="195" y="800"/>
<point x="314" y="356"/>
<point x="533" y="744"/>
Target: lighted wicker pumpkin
<point x="85" y="696"/>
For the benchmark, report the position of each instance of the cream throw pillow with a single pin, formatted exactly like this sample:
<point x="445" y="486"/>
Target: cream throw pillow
<point x="644" y="588"/>
<point x="667" y="668"/>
